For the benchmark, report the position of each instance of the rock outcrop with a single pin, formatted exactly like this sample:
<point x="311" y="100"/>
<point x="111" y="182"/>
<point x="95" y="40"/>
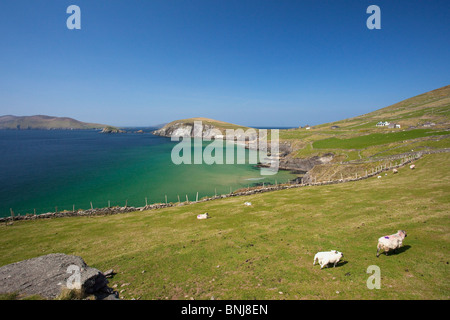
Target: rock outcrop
<point x="306" y="164"/>
<point x="47" y="276"/>
<point x="208" y="129"/>
<point x="182" y="129"/>
<point x="112" y="130"/>
<point x="300" y="165"/>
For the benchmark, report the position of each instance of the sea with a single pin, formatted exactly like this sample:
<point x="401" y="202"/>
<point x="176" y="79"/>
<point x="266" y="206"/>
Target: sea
<point x="54" y="170"/>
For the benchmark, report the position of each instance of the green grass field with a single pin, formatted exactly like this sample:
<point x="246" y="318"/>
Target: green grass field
<point x="266" y="251"/>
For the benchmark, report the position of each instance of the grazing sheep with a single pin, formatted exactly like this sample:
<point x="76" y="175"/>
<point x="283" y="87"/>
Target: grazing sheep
<point x="327" y="257"/>
<point x="247" y="203"/>
<point x="392" y="242"/>
<point x="412" y="166"/>
<point x="203" y="216"/>
<point x="395" y="171"/>
<point x="379" y="177"/>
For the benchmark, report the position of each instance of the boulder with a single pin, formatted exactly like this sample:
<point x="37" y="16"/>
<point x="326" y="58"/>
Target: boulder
<point x="47" y="275"/>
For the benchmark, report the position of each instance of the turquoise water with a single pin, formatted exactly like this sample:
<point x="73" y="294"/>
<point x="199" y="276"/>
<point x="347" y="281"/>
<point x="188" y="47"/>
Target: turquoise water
<point x="41" y="170"/>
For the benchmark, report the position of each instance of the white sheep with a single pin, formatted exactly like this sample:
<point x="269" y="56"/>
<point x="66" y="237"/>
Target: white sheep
<point x="327" y="257"/>
<point x="203" y="216"/>
<point x="391" y="242"/>
<point x="412" y="166"/>
<point x="395" y="171"/>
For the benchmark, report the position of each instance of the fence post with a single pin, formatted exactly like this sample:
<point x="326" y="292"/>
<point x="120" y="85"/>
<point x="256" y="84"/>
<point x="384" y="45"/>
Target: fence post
<point x="92" y="206"/>
<point x="146" y="202"/>
<point x="196" y="198"/>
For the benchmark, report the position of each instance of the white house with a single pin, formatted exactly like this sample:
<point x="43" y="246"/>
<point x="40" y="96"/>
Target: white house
<point x="382" y="124"/>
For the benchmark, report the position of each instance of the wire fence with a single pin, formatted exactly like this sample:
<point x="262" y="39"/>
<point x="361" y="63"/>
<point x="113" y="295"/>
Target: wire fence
<point x="125" y="206"/>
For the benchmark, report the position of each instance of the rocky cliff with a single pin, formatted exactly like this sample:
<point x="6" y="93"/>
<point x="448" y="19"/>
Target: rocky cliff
<point x="182" y="129"/>
<point x="205" y="128"/>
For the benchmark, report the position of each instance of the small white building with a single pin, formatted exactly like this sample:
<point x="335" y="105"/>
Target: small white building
<point x="383" y="124"/>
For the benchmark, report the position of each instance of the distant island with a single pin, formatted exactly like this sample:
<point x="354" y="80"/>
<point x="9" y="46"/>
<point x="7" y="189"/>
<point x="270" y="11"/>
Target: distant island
<point x="45" y="123"/>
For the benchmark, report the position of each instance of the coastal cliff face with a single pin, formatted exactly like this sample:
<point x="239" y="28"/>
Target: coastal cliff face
<point x="206" y="131"/>
<point x="181" y="129"/>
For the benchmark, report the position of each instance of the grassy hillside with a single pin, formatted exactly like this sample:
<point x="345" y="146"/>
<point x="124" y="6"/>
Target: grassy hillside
<point x="45" y="122"/>
<point x="266" y="251"/>
<point x="360" y="139"/>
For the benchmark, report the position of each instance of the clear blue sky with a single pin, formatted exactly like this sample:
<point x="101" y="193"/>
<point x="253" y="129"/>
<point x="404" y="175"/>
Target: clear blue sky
<point x="258" y="63"/>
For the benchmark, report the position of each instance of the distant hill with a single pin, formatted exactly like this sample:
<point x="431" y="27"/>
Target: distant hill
<point x="45" y="123"/>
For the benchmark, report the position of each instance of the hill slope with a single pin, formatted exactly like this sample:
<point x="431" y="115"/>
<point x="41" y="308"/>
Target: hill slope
<point x="424" y="125"/>
<point x="432" y="106"/>
<point x="44" y="122"/>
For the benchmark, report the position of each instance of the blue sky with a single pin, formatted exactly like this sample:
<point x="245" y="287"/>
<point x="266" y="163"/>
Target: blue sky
<point x="257" y="63"/>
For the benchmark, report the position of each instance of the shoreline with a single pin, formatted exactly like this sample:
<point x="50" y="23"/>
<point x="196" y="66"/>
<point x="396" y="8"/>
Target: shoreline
<point x="255" y="190"/>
